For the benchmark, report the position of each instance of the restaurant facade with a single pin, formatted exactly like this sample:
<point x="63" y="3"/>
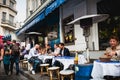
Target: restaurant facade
<point x="51" y="21"/>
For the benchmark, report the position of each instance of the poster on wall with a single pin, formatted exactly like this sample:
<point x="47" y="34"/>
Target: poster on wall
<point x="68" y="30"/>
<point x="52" y="32"/>
<point x="69" y="34"/>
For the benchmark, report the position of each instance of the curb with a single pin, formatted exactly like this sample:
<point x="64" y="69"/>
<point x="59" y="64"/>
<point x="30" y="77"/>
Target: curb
<point x="26" y="74"/>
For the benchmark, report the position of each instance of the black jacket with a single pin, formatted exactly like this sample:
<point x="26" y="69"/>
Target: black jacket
<point x="66" y="52"/>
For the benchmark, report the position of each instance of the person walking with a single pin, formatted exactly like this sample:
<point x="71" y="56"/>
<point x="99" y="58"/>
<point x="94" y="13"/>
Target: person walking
<point x="15" y="53"/>
<point x="6" y="57"/>
<point x="1" y="51"/>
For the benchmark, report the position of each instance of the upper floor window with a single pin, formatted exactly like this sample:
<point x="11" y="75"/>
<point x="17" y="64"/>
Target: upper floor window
<point x="4" y="2"/>
<point x="11" y="19"/>
<point x="3" y="16"/>
<point x="11" y="4"/>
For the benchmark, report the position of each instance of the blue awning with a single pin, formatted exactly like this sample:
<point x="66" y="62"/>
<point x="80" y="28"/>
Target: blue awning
<point x="51" y="7"/>
<point x="40" y="17"/>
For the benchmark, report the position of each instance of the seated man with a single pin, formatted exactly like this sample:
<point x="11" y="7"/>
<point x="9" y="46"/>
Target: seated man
<point x="64" y="51"/>
<point x="33" y="57"/>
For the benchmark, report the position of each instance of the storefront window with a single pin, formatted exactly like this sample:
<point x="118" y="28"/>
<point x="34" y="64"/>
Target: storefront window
<point x="111" y="26"/>
<point x="68" y="31"/>
<point x="107" y="28"/>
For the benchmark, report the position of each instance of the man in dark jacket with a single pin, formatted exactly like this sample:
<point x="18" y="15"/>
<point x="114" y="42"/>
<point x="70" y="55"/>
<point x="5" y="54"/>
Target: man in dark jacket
<point x="64" y="51"/>
<point x="15" y="53"/>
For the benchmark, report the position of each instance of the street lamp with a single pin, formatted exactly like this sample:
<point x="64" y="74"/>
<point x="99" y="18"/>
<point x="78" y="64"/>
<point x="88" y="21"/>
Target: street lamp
<point x="85" y="23"/>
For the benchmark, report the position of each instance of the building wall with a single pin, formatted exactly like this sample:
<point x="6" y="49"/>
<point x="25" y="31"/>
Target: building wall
<point x="9" y="29"/>
<point x="33" y="5"/>
<point x="80" y="8"/>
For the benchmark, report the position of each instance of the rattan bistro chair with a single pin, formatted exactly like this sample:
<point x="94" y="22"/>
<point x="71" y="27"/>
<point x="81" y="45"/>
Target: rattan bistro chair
<point x="67" y="73"/>
<point x="42" y="67"/>
<point x="53" y="70"/>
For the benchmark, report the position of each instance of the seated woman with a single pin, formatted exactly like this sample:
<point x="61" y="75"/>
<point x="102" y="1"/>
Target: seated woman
<point x="56" y="50"/>
<point x="114" y="50"/>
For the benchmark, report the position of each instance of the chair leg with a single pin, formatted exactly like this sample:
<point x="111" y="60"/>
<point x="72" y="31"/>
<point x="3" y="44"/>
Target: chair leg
<point x="71" y="77"/>
<point x="62" y="77"/>
<point x="51" y="75"/>
<point x="58" y="75"/>
<point x="47" y="69"/>
<point x="41" y="70"/>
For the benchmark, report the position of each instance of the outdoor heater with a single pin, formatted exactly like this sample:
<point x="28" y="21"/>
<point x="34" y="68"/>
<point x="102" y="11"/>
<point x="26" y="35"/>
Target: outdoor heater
<point x="85" y="23"/>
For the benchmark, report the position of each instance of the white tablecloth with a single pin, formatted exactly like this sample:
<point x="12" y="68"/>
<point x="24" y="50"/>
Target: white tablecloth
<point x="66" y="61"/>
<point x="44" y="57"/>
<point x="100" y="69"/>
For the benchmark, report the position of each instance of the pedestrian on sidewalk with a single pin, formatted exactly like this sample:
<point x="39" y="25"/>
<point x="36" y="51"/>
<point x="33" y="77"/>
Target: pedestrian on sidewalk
<point x="15" y="54"/>
<point x="1" y="51"/>
<point x="6" y="57"/>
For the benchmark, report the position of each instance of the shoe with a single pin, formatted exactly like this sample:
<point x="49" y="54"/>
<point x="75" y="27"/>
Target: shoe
<point x="11" y="73"/>
<point x="17" y="73"/>
<point x="33" y="72"/>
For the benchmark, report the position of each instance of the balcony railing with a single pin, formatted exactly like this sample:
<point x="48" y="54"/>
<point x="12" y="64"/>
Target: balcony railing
<point x="8" y="6"/>
<point x="43" y="1"/>
<point x="8" y="22"/>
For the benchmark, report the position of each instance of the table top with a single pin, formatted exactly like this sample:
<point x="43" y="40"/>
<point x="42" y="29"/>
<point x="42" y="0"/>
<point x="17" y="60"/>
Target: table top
<point x="101" y="69"/>
<point x="108" y="62"/>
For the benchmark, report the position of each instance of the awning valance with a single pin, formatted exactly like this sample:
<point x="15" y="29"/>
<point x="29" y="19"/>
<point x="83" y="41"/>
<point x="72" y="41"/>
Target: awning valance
<point x="51" y="7"/>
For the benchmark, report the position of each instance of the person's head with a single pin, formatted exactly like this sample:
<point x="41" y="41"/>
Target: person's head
<point x="37" y="46"/>
<point x="56" y="45"/>
<point x="23" y="47"/>
<point x="14" y="41"/>
<point x="47" y="46"/>
<point x="61" y="45"/>
<point x="114" y="41"/>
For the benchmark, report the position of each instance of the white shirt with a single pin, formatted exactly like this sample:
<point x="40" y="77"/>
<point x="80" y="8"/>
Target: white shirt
<point x="33" y="53"/>
<point x="28" y="47"/>
<point x="63" y="52"/>
<point x="57" y="50"/>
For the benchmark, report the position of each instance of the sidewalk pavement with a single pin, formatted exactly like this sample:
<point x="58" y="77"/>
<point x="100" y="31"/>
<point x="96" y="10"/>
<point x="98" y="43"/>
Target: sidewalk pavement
<point x="36" y="76"/>
<point x="31" y="76"/>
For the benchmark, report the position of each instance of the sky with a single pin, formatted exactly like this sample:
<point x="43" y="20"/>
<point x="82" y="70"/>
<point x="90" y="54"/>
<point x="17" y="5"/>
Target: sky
<point x="21" y="9"/>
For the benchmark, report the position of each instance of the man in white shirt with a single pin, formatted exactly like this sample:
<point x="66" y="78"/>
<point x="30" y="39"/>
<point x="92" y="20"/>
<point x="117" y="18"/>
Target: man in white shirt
<point x="33" y="57"/>
<point x="34" y="52"/>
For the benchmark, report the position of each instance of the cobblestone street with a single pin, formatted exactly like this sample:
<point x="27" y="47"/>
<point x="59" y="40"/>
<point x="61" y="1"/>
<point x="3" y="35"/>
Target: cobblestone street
<point x="3" y="76"/>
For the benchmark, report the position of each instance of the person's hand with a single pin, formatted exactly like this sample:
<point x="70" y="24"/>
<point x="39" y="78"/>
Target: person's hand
<point x="107" y="55"/>
<point x="112" y="53"/>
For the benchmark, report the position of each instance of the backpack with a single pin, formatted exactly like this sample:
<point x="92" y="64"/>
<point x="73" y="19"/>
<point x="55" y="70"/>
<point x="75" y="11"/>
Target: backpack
<point x="15" y="50"/>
